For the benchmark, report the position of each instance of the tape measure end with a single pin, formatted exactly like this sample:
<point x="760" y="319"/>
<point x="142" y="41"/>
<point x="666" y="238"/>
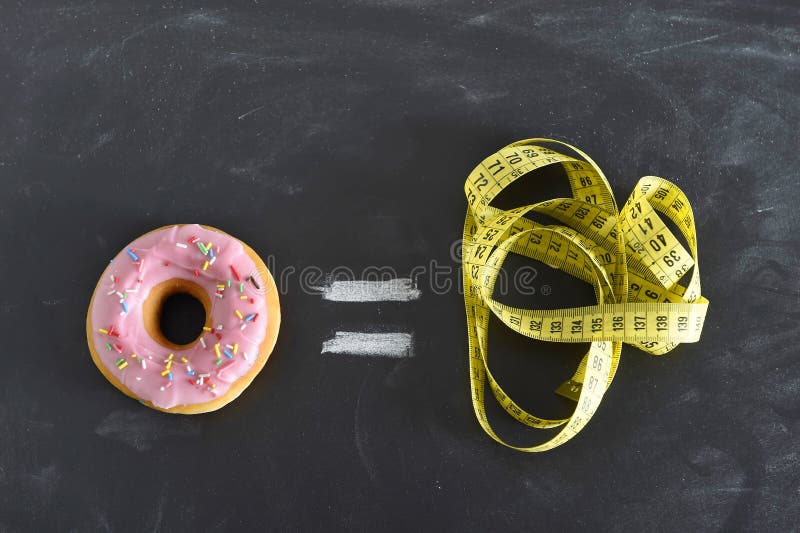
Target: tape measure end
<point x="570" y="390"/>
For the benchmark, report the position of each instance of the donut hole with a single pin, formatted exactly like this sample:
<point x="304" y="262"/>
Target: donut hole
<point x="175" y="313"/>
<point x="182" y="318"/>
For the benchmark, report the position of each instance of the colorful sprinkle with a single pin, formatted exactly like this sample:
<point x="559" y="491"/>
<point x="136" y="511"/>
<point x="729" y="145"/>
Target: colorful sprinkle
<point x="184" y="360"/>
<point x="253" y="281"/>
<point x="124" y="307"/>
<point x="133" y="255"/>
<point x="202" y="340"/>
<point x="196" y="273"/>
<point x="202" y="248"/>
<point x="216" y="350"/>
<point x="235" y="274"/>
<point x="108" y="346"/>
<point x="180" y="245"/>
<point x="238" y="314"/>
<point x="219" y="362"/>
<point x="103" y="331"/>
<point x="165" y="372"/>
<point x="206" y="328"/>
<point x="227" y="353"/>
<point x="241" y="287"/>
<point x="250" y="317"/>
<point x="193" y="239"/>
<point x="205" y="265"/>
<point x="236" y="347"/>
<point x="244" y="297"/>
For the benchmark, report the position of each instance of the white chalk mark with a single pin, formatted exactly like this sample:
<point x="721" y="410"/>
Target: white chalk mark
<point x="476" y="96"/>
<point x="677" y="45"/>
<point x="251" y="112"/>
<point x="393" y="345"/>
<point x="393" y="290"/>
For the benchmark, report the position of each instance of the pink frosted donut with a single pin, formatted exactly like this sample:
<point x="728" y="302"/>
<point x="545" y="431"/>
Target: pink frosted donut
<point x="241" y="325"/>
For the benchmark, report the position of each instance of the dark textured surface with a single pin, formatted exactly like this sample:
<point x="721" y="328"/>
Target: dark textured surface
<point x="339" y="134"/>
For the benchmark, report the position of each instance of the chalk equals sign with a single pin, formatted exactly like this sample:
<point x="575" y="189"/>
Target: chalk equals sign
<point x="363" y="343"/>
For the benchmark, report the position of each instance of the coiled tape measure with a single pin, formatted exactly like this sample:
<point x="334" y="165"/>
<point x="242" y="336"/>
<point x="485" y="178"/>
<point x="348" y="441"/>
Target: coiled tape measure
<point x="631" y="258"/>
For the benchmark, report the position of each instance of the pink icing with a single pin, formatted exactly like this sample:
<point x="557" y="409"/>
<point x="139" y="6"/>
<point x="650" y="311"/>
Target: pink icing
<point x="159" y="256"/>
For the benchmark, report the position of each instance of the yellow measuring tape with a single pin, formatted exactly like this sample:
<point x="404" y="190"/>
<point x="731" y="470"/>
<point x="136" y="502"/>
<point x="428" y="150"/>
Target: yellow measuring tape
<point x="631" y="258"/>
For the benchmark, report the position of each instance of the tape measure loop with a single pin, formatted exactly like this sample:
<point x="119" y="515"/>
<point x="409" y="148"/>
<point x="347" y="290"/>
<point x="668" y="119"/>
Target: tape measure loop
<point x="631" y="258"/>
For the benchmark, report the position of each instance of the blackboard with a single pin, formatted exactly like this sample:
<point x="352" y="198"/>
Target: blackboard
<point x="339" y="134"/>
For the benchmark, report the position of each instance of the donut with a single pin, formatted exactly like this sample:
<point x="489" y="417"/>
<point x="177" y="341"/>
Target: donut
<point x="242" y="318"/>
